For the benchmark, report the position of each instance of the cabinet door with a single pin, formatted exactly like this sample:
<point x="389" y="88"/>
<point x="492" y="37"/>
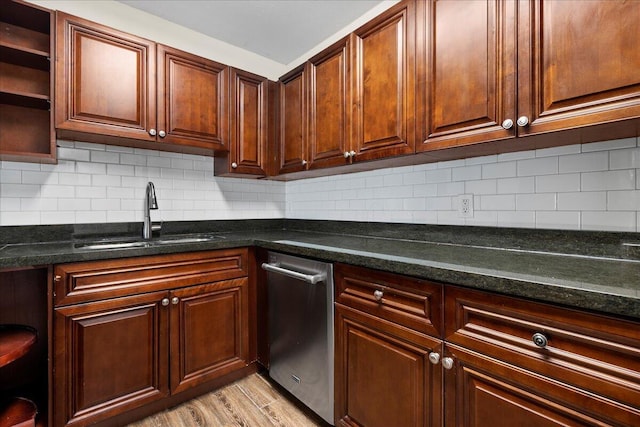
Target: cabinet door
<point x="469" y="73"/>
<point x="480" y="391"/>
<point x="383" y="374"/>
<point x="109" y="357"/>
<point x="383" y="84"/>
<point x="209" y="332"/>
<point x="105" y="80"/>
<point x="328" y="95"/>
<point x="293" y="121"/>
<point x="578" y="63"/>
<point x="192" y="100"/>
<point x="249" y="126"/>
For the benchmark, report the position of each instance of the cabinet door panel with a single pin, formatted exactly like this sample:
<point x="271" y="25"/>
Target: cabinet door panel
<point x="105" y="80"/>
<point x="293" y="116"/>
<point x="577" y="63"/>
<point x="480" y="391"/>
<point x="383" y="78"/>
<point x="470" y="72"/>
<point x="192" y="100"/>
<point x="383" y="374"/>
<point x="249" y="113"/>
<point x="209" y="333"/>
<point x="328" y="134"/>
<point x="109" y="356"/>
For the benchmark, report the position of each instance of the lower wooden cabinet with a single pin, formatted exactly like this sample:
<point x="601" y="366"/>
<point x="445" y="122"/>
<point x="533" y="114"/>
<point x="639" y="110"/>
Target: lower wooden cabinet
<point x="384" y="374"/>
<point x="113" y="355"/>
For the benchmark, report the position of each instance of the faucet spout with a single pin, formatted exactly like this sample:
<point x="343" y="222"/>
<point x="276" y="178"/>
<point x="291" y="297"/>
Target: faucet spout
<point x="150" y="202"/>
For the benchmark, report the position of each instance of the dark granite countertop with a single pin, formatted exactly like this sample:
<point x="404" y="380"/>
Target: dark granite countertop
<point x="504" y="261"/>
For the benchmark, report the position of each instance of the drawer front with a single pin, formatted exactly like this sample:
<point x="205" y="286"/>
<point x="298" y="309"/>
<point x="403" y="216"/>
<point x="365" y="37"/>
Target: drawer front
<point x="407" y="301"/>
<point x="96" y="280"/>
<point x="590" y="351"/>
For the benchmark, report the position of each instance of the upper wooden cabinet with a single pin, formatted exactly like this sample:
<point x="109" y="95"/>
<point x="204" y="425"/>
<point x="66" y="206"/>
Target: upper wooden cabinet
<point x="383" y="84"/>
<point x="250" y="122"/>
<point x="493" y="70"/>
<point x="106" y="86"/>
<point x="292" y="142"/>
<point x="26" y="85"/>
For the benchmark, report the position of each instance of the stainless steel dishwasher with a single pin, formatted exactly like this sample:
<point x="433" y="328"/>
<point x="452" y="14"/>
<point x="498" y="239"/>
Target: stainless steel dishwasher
<point x="300" y="295"/>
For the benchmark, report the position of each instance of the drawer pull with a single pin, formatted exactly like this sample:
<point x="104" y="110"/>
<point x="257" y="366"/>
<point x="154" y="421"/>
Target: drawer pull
<point x="540" y="340"/>
<point x="165" y="302"/>
<point x="447" y="363"/>
<point x="175" y="300"/>
<point x="57" y="278"/>
<point x="378" y="295"/>
<point x="434" y="358"/>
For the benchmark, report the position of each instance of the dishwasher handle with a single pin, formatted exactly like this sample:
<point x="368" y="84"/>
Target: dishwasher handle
<point x="309" y="278"/>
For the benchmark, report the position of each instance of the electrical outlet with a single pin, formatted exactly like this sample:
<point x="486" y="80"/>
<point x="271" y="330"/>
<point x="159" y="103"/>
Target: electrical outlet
<point x="465" y="206"/>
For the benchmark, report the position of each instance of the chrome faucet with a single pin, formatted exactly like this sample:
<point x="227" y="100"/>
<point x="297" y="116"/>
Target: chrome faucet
<point x="150" y="202"/>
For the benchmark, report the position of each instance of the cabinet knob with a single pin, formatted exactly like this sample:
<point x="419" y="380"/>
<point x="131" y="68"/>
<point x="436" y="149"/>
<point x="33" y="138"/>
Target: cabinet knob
<point x="447" y="363"/>
<point x="152" y="132"/>
<point x="378" y="295"/>
<point x="434" y="357"/>
<point x="57" y="278"/>
<point x="234" y="165"/>
<point x="523" y="121"/>
<point x="162" y="134"/>
<point x="165" y="302"/>
<point x="175" y="300"/>
<point x="352" y="153"/>
<point x="304" y="162"/>
<point x="507" y="124"/>
<point x="540" y="340"/>
<point x="347" y="154"/>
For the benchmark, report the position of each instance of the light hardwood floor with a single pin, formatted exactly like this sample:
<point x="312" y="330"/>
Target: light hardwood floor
<point x="250" y="402"/>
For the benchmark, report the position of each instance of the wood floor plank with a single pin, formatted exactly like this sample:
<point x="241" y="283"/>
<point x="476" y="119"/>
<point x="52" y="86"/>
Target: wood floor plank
<point x="259" y="390"/>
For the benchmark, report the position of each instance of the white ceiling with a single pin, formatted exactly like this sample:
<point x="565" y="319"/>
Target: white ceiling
<point x="281" y="30"/>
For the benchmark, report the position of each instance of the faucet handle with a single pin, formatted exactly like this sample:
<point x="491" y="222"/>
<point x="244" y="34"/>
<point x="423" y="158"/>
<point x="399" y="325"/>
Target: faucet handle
<point x="156" y="226"/>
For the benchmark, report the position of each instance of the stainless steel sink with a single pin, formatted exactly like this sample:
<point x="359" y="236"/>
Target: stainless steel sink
<point x="137" y="243"/>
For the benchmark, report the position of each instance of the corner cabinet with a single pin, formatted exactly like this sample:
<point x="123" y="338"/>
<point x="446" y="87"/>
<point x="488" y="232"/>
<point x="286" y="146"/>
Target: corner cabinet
<point x="113" y="87"/>
<point x="251" y="119"/>
<point x="26" y="83"/>
<point x="496" y="70"/>
<point x="133" y="332"/>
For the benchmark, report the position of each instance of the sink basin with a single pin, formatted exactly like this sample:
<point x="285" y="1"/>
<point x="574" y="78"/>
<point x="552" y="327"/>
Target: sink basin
<point x="137" y="243"/>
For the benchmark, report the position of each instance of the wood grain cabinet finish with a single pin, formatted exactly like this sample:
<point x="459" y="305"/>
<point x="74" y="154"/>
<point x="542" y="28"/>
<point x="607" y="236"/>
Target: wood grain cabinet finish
<point x="494" y="70"/>
<point x="383" y="60"/>
<point x="587" y="372"/>
<point x="133" y="332"/>
<point x="293" y="121"/>
<point x="249" y="127"/>
<point x="118" y="88"/>
<point x="384" y="376"/>
<point x="470" y="71"/>
<point x="387" y="326"/>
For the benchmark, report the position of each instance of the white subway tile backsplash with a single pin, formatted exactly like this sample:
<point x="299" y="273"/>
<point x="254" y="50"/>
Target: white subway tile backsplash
<point x="583" y="201"/>
<point x="610" y="180"/>
<point x="586" y="162"/>
<point x="590" y="186"/>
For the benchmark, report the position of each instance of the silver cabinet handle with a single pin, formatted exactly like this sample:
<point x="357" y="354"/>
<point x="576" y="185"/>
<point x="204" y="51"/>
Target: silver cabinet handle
<point x="152" y="132"/>
<point x="304" y="162"/>
<point x="165" y="302"/>
<point x="234" y="165"/>
<point x="352" y="153"/>
<point x="309" y="278"/>
<point x="540" y="340"/>
<point x="162" y="134"/>
<point x="522" y="121"/>
<point x="175" y="300"/>
<point x="447" y="363"/>
<point x="57" y="278"/>
<point x="347" y="154"/>
<point x="378" y="295"/>
<point x="434" y="357"/>
<point x="507" y="124"/>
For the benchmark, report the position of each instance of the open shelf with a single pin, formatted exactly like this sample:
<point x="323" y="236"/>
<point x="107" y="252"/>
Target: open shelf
<point x="17" y="412"/>
<point x="26" y="116"/>
<point x="15" y="342"/>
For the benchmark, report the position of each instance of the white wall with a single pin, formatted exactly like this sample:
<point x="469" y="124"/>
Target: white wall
<point x="579" y="187"/>
<point x="95" y="183"/>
